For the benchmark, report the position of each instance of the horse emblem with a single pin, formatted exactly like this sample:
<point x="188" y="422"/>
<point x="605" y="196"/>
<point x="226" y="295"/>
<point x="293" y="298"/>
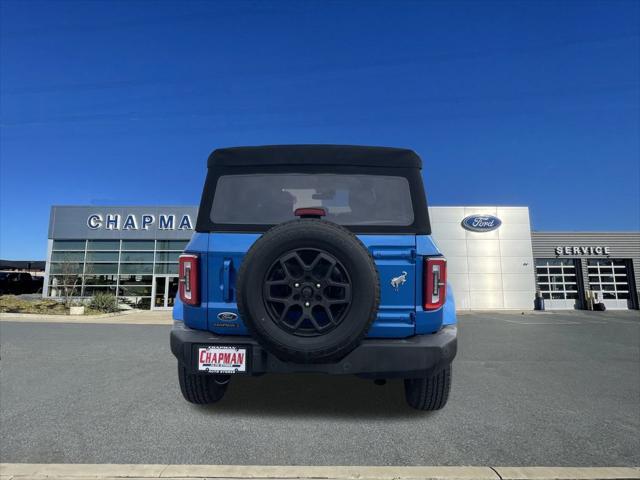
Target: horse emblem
<point x="397" y="282"/>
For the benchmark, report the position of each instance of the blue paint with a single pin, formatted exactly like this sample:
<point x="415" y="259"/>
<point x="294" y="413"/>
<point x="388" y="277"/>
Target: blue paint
<point x="399" y="257"/>
<point x="178" y="309"/>
<point x="449" y="308"/>
<point x="394" y="256"/>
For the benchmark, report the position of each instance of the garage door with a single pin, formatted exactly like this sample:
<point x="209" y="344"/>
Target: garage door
<point x="610" y="280"/>
<point x="558" y="283"/>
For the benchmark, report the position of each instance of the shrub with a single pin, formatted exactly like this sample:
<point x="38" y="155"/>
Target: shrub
<point x="13" y="304"/>
<point x="104" y="302"/>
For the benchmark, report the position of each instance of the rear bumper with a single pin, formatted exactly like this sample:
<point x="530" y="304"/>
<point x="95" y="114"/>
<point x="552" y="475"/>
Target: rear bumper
<point x="375" y="358"/>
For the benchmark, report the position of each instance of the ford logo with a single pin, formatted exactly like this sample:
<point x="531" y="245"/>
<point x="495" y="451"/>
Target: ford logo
<point x="227" y="316"/>
<point x="481" y="223"/>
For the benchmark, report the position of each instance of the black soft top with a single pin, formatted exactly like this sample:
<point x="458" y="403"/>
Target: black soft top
<point x="339" y="159"/>
<point x="343" y="155"/>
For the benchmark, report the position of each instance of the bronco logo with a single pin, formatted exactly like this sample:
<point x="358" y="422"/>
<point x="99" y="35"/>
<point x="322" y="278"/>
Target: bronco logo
<point x="396" y="282"/>
<point x="481" y="223"/>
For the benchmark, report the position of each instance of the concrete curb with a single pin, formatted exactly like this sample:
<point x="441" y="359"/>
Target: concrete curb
<point x="24" y="471"/>
<point x="567" y="473"/>
<point x="27" y="316"/>
<point x="128" y="317"/>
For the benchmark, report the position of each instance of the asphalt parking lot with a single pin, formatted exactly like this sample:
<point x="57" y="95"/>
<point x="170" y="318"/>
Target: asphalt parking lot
<point x="534" y="389"/>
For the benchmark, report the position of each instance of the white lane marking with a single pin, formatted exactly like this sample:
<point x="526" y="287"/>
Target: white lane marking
<point x="539" y="323"/>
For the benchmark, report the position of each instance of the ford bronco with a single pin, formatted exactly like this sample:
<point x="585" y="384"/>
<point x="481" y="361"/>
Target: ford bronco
<point x="314" y="258"/>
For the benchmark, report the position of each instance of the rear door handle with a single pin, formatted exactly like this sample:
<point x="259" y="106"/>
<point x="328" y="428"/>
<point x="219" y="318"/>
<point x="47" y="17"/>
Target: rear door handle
<point x="394" y="253"/>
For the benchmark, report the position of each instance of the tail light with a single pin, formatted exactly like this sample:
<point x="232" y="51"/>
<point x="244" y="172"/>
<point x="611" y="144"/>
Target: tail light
<point x="311" y="212"/>
<point x="189" y="279"/>
<point x="434" y="283"/>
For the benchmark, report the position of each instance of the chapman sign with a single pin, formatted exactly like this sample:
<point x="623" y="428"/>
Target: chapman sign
<point x="115" y="221"/>
<point x="583" y="250"/>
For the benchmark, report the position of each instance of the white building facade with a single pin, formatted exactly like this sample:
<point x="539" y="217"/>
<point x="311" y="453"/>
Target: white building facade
<point x="488" y="270"/>
<point x="495" y="261"/>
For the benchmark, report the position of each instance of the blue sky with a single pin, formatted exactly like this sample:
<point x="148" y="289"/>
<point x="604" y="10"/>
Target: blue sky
<point x="508" y="103"/>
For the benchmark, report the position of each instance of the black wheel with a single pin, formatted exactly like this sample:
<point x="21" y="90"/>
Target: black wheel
<point x="429" y="393"/>
<point x="308" y="291"/>
<point x="202" y="389"/>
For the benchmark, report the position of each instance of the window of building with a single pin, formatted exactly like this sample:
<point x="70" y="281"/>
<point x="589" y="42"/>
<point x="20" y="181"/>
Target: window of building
<point x="67" y="256"/>
<point x="136" y="279"/>
<point x="100" y="280"/>
<point x="69" y="245"/>
<point x="179" y="245"/>
<point x="103" y="245"/>
<point x="138" y="245"/>
<point x="124" y="268"/>
<point x="102" y="256"/>
<point x="137" y="257"/>
<point x="59" y="280"/>
<point x="91" y="291"/>
<point x="166" y="268"/>
<point x="93" y="268"/>
<point x="139" y="268"/>
<point x="134" y="291"/>
<point x="66" y="268"/>
<point x="167" y="256"/>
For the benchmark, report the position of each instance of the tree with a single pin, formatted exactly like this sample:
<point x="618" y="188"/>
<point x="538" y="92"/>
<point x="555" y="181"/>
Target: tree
<point x="69" y="273"/>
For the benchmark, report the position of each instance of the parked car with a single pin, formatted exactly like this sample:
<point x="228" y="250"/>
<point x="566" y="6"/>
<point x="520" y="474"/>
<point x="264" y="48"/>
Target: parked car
<point x="18" y="283"/>
<point x="36" y="284"/>
<point x="314" y="259"/>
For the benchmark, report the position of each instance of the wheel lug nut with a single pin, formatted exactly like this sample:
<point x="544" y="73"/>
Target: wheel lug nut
<point x="306" y="304"/>
<point x="317" y="285"/>
<point x="296" y="285"/>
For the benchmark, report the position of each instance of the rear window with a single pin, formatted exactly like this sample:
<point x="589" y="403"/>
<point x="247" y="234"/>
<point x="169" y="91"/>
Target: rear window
<point x="269" y="199"/>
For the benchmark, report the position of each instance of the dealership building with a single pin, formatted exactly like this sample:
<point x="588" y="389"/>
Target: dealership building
<point x="132" y="252"/>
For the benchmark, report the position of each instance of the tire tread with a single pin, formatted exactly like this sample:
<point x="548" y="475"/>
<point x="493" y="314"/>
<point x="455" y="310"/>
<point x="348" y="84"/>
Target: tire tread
<point x="281" y="231"/>
<point x="431" y="392"/>
<point x="200" y="389"/>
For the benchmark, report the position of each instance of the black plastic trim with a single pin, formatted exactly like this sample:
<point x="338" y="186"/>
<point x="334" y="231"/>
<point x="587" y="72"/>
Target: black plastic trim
<point x="412" y="357"/>
<point x="354" y="155"/>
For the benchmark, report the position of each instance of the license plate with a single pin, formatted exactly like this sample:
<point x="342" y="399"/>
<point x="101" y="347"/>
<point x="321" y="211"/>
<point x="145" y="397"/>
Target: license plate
<point x="222" y="359"/>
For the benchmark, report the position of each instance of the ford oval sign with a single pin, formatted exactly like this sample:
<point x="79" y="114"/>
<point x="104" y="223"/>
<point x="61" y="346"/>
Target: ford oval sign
<point x="481" y="223"/>
<point x="227" y="316"/>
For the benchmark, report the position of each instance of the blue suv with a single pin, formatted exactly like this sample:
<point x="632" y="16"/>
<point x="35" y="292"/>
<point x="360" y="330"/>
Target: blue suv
<point x="314" y="258"/>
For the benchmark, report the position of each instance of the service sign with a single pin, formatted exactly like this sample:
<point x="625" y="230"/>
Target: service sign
<point x="481" y="223"/>
<point x="583" y="250"/>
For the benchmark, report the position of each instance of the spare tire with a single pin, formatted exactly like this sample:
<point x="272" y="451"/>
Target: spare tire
<point x="308" y="290"/>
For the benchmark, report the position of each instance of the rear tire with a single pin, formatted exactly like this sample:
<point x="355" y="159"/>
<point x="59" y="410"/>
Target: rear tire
<point x="202" y="389"/>
<point x="429" y="393"/>
<point x="291" y="239"/>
